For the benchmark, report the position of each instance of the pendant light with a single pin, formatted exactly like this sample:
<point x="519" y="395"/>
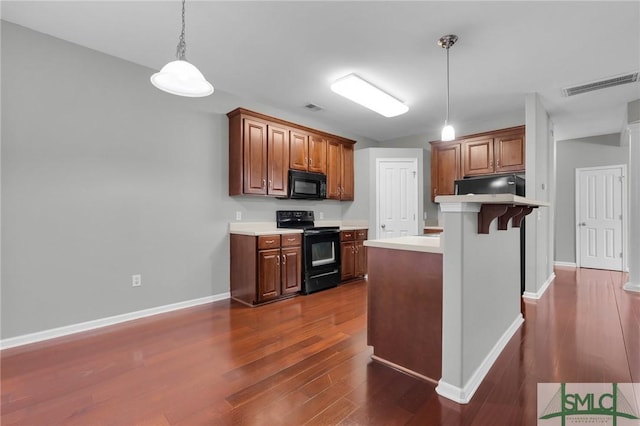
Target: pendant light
<point x="180" y="77"/>
<point x="448" y="133"/>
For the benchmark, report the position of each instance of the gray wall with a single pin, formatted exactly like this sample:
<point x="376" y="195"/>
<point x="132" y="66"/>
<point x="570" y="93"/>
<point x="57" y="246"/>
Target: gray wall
<point x="540" y="176"/>
<point x="104" y="176"/>
<point x="603" y="150"/>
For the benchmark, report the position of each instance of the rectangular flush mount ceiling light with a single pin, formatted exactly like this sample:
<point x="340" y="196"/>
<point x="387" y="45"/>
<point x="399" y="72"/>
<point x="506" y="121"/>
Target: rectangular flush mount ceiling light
<point x="359" y="91"/>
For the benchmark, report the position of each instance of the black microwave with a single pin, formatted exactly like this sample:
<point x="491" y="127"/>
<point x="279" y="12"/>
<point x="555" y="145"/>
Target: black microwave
<point x="306" y="185"/>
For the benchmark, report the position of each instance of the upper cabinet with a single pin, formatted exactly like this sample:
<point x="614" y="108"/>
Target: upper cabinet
<point x="445" y="168"/>
<point x="340" y="179"/>
<point x="495" y="152"/>
<point x="308" y="152"/>
<point x="262" y="149"/>
<point x="500" y="152"/>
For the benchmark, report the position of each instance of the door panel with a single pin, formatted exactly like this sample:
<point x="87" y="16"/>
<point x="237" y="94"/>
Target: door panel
<point x="291" y="269"/>
<point x="268" y="274"/>
<point x="299" y="151"/>
<point x="599" y="215"/>
<point x="445" y="169"/>
<point x="397" y="198"/>
<point x="317" y="154"/>
<point x="477" y="156"/>
<point x="255" y="157"/>
<point x="278" y="163"/>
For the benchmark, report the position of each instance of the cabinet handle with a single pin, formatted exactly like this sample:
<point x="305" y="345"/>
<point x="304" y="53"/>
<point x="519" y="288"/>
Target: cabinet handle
<point x="278" y="260"/>
<point x="264" y="182"/>
<point x="270" y="184"/>
<point x="310" y="161"/>
<point x="353" y="250"/>
<point x="284" y="259"/>
<point x="356" y="249"/>
<point x="498" y="163"/>
<point x="291" y="239"/>
<point x="270" y="241"/>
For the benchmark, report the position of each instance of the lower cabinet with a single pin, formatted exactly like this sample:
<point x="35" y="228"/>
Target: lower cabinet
<point x="265" y="268"/>
<point x="353" y="254"/>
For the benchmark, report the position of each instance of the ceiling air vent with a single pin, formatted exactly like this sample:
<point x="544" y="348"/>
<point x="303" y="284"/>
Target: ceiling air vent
<point x="602" y="84"/>
<point x="313" y="107"/>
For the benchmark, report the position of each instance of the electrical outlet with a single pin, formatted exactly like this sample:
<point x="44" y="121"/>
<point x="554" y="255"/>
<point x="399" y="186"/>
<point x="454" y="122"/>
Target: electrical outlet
<point x="321" y="215"/>
<point x="238" y="215"/>
<point x="136" y="280"/>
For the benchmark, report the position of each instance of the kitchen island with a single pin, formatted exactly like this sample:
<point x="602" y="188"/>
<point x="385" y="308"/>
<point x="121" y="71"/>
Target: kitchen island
<point x="404" y="321"/>
<point x="454" y="306"/>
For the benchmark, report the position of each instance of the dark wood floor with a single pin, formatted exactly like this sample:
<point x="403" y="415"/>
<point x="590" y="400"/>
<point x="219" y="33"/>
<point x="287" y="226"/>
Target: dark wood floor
<point x="305" y="361"/>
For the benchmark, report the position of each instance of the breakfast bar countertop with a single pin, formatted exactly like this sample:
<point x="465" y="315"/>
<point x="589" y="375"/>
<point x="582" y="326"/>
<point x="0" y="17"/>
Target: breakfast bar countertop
<point x="425" y="244"/>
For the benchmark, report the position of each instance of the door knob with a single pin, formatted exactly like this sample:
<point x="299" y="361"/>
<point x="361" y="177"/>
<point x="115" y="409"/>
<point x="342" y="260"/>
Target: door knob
<point x="383" y="226"/>
<point x="582" y="224"/>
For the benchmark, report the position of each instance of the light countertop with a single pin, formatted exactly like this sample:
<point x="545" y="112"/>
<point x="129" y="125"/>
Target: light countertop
<point x="270" y="228"/>
<point x="490" y="199"/>
<point x="423" y="243"/>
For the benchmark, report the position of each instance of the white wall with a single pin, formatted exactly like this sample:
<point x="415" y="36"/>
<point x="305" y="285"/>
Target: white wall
<point x="104" y="176"/>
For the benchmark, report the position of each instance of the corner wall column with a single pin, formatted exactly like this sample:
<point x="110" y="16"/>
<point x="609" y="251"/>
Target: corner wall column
<point x="634" y="208"/>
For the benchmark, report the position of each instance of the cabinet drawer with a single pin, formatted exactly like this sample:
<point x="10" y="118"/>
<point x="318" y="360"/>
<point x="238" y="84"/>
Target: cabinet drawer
<point x="347" y="235"/>
<point x="268" y="241"/>
<point x="361" y="234"/>
<point x="291" y="240"/>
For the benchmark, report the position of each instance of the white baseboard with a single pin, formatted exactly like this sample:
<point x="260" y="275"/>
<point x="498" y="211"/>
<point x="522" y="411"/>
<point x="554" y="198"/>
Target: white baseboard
<point x="538" y="294"/>
<point x="104" y="322"/>
<point x="565" y="264"/>
<point x="632" y="286"/>
<point x="463" y="395"/>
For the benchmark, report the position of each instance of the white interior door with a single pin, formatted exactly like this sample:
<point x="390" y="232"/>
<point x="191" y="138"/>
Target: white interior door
<point x="599" y="217"/>
<point x="397" y="197"/>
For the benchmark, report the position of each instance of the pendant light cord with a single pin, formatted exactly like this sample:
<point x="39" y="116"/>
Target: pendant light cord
<point x="181" y="50"/>
<point x="446" y="121"/>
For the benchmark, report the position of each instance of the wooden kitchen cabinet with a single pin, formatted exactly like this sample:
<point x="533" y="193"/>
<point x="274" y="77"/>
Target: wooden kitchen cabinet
<point x="265" y="268"/>
<point x="340" y="171"/>
<point x="353" y="254"/>
<point x="258" y="157"/>
<point x="445" y="168"/>
<point x="262" y="150"/>
<point x="482" y="154"/>
<point x="307" y="152"/>
<point x="318" y="154"/>
<point x="499" y="152"/>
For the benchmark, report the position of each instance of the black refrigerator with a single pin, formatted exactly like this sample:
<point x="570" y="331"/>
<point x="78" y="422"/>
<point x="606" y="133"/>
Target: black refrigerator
<point x="498" y="184"/>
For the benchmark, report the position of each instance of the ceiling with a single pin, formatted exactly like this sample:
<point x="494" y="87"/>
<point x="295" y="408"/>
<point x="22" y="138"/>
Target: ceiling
<point x="286" y="54"/>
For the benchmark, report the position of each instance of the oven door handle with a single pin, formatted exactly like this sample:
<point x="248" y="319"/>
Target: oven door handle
<point x="325" y="274"/>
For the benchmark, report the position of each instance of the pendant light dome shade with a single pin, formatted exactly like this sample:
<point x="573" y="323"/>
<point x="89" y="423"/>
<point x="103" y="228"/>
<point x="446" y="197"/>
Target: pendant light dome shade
<point x="448" y="133"/>
<point x="180" y="77"/>
<point x="183" y="79"/>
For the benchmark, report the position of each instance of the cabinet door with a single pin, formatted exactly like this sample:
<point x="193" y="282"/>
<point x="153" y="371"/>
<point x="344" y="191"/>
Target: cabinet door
<point x="347" y="260"/>
<point x="477" y="156"/>
<point x="334" y="166"/>
<point x="347" y="171"/>
<point x="255" y="157"/>
<point x="298" y="150"/>
<point x="317" y="154"/>
<point x="510" y="152"/>
<point x="360" y="268"/>
<point x="278" y="161"/>
<point x="445" y="168"/>
<point x="291" y="269"/>
<point x="268" y="274"/>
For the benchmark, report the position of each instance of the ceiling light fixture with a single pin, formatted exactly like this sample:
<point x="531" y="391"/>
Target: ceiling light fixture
<point x="361" y="92"/>
<point x="448" y="132"/>
<point x="180" y="77"/>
